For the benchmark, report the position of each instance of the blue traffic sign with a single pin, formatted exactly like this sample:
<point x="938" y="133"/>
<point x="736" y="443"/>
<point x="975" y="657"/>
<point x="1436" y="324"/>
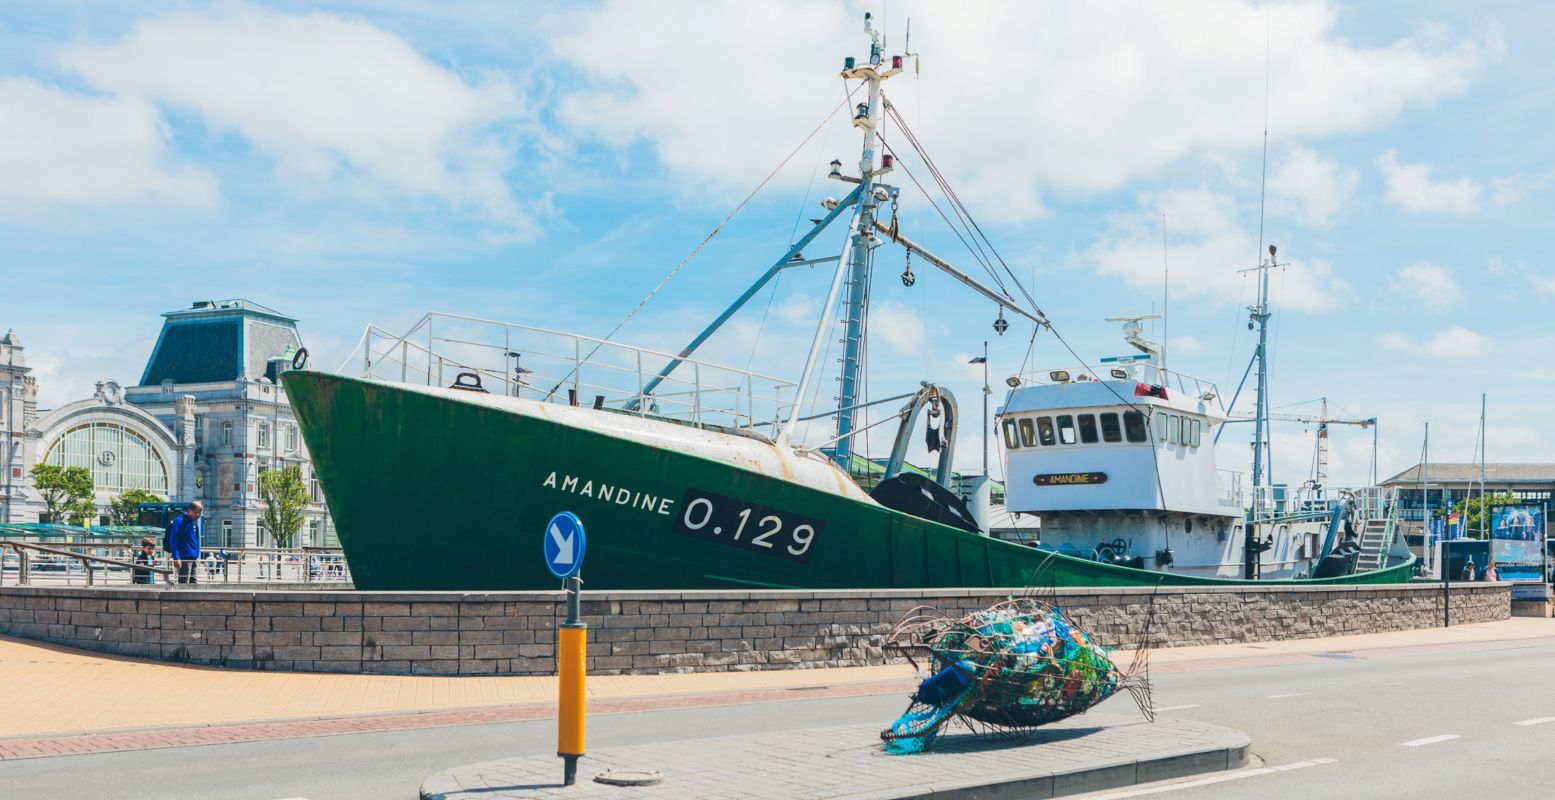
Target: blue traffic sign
<point x="564" y="545"/>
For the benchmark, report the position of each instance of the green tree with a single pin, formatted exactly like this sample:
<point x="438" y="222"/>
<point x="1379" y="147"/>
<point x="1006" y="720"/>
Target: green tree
<point x="125" y="509"/>
<point x="66" y="491"/>
<point x="1472" y="511"/>
<point x="285" y="498"/>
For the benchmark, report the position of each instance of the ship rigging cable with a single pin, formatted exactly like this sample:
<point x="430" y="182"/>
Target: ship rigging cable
<point x="962" y="212"/>
<point x="715" y="231"/>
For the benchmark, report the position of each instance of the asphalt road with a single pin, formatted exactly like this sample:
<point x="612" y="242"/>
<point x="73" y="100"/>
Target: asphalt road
<point x="1348" y="727"/>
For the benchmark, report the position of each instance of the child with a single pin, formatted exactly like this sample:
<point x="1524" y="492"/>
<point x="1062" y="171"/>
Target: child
<point x="145" y="555"/>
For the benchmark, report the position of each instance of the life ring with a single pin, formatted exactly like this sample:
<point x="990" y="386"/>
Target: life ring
<point x="300" y="360"/>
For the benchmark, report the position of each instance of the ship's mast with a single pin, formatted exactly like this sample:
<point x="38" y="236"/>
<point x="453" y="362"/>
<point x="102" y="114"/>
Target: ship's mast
<point x="862" y="232"/>
<point x="1258" y="315"/>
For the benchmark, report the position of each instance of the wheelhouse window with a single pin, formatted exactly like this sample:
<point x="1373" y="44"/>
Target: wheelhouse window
<point x="1028" y="437"/>
<point x="1009" y="435"/>
<point x="1197" y="431"/>
<point x="1134" y="427"/>
<point x="1045" y="431"/>
<point x="1088" y="429"/>
<point x="1173" y="429"/>
<point x="1111" y="430"/>
<point x="1066" y="434"/>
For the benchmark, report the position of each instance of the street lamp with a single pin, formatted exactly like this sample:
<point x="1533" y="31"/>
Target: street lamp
<point x="983" y="359"/>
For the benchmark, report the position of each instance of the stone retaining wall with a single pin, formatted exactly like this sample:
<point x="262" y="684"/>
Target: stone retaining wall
<point x="650" y="632"/>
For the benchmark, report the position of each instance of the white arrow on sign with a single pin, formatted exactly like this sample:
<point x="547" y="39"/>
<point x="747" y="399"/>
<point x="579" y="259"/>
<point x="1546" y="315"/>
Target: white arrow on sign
<point x="563" y="546"/>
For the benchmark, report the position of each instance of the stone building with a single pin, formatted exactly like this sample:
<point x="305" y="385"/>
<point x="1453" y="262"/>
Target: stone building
<point x="18" y="411"/>
<point x="206" y="418"/>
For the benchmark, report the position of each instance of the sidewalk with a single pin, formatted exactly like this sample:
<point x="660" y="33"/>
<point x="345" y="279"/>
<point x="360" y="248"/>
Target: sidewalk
<point x="54" y="691"/>
<point x="1079" y="754"/>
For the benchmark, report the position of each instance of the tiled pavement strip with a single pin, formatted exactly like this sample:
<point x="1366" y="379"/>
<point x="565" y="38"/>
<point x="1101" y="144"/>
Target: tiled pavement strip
<point x="63" y="701"/>
<point x="1080" y="754"/>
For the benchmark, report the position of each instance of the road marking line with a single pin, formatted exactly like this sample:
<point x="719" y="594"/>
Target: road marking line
<point x="1177" y="708"/>
<point x="1213" y="779"/>
<point x="1539" y="721"/>
<point x="1301" y="764"/>
<point x="1292" y="694"/>
<point x="1431" y="740"/>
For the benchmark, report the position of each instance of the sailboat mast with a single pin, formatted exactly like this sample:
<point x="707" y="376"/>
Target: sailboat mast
<point x="863" y="243"/>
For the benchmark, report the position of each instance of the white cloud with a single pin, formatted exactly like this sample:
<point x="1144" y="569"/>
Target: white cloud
<point x="1185" y="345"/>
<point x="1432" y="285"/>
<point x="1411" y="187"/>
<point x="60" y="148"/>
<point x="1069" y="96"/>
<point x="1456" y="343"/>
<point x="1207" y="247"/>
<point x="898" y="325"/>
<point x="330" y="98"/>
<point x="1311" y="188"/>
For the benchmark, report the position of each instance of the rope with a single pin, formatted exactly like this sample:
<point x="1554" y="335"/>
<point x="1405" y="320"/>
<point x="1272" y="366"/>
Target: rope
<point x="715" y="231"/>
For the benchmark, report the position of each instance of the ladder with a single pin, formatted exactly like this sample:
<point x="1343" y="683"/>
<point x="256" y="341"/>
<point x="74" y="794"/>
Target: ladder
<point x="1376" y="541"/>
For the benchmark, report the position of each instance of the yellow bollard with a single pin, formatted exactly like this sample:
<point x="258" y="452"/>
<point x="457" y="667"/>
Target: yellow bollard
<point x="571" y="649"/>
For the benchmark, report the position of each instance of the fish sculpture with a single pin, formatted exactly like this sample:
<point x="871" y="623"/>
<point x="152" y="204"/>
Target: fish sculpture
<point x="1006" y="669"/>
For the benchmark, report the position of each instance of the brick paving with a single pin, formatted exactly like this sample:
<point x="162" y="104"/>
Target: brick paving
<point x="1080" y="754"/>
<point x="38" y="747"/>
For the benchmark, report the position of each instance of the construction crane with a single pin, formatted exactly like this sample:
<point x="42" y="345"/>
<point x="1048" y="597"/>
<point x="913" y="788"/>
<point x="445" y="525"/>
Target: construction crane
<point x="1322" y="421"/>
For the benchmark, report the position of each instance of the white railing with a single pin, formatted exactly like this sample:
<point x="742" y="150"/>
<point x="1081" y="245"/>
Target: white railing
<point x="554" y="366"/>
<point x="82" y="564"/>
<point x="1175" y="382"/>
<point x="1301" y="499"/>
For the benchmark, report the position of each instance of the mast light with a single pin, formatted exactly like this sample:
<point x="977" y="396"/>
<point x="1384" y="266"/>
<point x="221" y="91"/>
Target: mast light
<point x="849" y="62"/>
<point x="896" y="62"/>
<point x="887" y="161"/>
<point x="836" y="169"/>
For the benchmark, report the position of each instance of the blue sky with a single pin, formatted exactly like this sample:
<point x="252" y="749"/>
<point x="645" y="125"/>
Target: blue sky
<point x="350" y="163"/>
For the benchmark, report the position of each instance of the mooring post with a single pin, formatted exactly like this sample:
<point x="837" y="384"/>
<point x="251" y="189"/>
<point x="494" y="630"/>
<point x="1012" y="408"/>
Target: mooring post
<point x="572" y="646"/>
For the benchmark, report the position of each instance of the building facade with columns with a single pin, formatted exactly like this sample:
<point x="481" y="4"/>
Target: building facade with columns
<point x="205" y="420"/>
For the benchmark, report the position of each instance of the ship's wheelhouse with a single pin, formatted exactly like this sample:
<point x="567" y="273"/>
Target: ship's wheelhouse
<point x="1081" y="447"/>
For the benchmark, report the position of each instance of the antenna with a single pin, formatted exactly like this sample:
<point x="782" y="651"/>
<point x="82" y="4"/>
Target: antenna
<point x="1166" y="290"/>
<point x="1263" y="183"/>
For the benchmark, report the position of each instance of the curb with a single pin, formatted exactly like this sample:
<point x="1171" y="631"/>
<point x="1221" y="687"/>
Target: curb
<point x="1083" y="754"/>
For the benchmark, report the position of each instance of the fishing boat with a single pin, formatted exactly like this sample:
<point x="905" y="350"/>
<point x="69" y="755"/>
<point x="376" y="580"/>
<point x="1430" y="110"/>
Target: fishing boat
<point x="448" y="447"/>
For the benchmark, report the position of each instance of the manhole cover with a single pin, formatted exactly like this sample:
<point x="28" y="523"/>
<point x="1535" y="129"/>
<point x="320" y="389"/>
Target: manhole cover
<point x="629" y="777"/>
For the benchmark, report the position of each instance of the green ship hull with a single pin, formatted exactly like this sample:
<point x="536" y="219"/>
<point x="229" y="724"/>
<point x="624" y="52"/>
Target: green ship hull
<point x="430" y="492"/>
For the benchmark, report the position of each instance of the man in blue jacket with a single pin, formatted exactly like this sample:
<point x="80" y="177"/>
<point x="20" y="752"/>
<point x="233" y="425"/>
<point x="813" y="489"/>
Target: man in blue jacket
<point x="183" y="542"/>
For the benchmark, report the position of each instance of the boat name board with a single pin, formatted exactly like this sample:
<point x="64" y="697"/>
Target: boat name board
<point x="604" y="492"/>
<point x="747" y="525"/>
<point x="1070" y="479"/>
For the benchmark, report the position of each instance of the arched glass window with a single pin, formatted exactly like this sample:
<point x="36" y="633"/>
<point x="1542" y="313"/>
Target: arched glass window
<point x="118" y="457"/>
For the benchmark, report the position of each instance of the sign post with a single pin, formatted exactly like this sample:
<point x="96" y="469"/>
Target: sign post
<point x="564" y="548"/>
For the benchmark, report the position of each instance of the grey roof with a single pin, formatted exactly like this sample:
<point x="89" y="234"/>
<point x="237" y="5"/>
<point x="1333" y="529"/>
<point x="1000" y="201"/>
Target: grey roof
<point x="216" y="341"/>
<point x="206" y="307"/>
<point x="1497" y="473"/>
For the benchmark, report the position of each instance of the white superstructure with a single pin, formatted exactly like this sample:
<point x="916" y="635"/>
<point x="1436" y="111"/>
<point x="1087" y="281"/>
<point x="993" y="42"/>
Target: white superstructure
<point x="1121" y="466"/>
